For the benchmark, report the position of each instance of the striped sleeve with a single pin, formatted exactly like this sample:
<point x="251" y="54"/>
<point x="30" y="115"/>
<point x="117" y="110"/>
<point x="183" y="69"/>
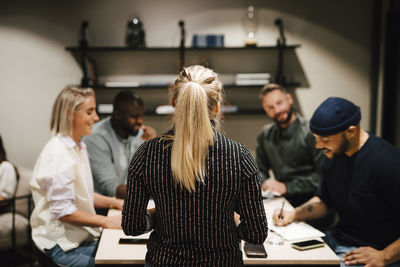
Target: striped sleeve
<point x="137" y="197"/>
<point x="254" y="227"/>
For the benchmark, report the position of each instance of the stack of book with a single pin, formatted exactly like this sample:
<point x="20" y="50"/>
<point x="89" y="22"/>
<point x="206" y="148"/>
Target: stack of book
<point x="153" y="80"/>
<point x="252" y="78"/>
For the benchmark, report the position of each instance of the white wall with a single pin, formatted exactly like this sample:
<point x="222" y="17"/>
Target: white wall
<point x="34" y="66"/>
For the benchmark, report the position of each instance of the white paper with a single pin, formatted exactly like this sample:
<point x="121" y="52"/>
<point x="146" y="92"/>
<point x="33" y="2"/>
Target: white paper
<point x="151" y="204"/>
<point x="269" y="194"/>
<point x="296" y="230"/>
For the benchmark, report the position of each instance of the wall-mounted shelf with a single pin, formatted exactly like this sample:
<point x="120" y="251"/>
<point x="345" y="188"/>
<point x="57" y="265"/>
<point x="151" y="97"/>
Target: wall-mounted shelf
<point x="176" y="49"/>
<point x="123" y="62"/>
<point x="150" y="87"/>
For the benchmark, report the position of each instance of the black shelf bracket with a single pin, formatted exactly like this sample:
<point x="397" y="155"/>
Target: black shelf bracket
<point x="182" y="46"/>
<point x="83" y="47"/>
<point x="281" y="44"/>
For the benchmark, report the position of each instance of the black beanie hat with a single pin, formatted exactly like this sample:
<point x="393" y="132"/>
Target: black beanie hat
<point x="334" y="115"/>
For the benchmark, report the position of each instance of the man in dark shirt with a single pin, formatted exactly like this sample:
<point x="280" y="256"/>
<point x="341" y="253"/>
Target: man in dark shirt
<point x="287" y="147"/>
<point x="361" y="182"/>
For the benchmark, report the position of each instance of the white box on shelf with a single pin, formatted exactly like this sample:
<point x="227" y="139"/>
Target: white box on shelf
<point x="105" y="108"/>
<point x="250" y="76"/>
<point x="252" y="82"/>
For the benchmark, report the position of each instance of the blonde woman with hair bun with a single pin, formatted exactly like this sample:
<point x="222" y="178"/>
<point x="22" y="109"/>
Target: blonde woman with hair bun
<point x="198" y="179"/>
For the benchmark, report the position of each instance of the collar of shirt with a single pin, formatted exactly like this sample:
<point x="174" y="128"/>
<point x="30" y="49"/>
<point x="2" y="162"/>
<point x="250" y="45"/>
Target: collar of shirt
<point x="70" y="143"/>
<point x="291" y="129"/>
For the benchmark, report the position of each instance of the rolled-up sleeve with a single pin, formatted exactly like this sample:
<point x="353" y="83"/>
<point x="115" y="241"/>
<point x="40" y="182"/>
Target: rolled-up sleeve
<point x="60" y="194"/>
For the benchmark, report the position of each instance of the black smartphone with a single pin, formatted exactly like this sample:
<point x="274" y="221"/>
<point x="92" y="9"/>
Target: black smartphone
<point x="309" y="244"/>
<point x="135" y="241"/>
<point x="254" y="251"/>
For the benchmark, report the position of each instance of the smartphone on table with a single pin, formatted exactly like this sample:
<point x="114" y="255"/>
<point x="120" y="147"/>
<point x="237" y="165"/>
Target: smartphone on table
<point x="308" y="244"/>
<point x="254" y="251"/>
<point x="134" y="241"/>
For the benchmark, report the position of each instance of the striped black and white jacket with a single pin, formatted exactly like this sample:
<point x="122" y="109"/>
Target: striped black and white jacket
<point x="195" y="229"/>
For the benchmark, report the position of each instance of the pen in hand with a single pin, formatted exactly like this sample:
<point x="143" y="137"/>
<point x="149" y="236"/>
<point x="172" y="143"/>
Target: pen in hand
<point x="280" y="217"/>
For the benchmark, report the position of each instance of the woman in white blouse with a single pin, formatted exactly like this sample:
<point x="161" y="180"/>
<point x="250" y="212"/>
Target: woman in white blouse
<point x="64" y="222"/>
<point x="8" y="179"/>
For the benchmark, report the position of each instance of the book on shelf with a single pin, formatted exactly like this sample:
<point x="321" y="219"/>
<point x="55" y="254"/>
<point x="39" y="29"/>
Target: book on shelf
<point x="154" y="80"/>
<point x="105" y="108"/>
<point x="165" y="109"/>
<point x="229" y="108"/>
<point x="92" y="72"/>
<point x="89" y="71"/>
<point x="208" y="40"/>
<point x="251" y="82"/>
<point x="253" y="76"/>
<point x="122" y="84"/>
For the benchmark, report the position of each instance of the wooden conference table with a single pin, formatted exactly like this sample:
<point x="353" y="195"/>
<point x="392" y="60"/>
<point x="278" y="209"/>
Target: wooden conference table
<point x="110" y="252"/>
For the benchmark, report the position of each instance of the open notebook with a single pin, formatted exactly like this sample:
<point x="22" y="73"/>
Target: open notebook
<point x="295" y="231"/>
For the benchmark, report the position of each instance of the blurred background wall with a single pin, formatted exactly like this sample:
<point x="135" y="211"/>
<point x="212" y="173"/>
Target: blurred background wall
<point x="335" y="53"/>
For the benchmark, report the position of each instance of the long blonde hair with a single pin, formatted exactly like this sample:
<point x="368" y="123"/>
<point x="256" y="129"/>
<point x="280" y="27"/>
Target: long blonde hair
<point x="66" y="103"/>
<point x="195" y="94"/>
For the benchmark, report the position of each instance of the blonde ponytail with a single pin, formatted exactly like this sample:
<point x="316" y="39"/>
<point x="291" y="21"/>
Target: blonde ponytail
<point x="196" y="94"/>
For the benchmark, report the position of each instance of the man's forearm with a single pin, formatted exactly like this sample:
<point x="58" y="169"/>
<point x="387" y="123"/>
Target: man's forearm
<point x="101" y="201"/>
<point x="392" y="252"/>
<point x="84" y="219"/>
<point x="313" y="209"/>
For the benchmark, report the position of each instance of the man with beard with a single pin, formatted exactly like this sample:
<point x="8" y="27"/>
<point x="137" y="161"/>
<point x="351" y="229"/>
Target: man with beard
<point x="287" y="147"/>
<point x="114" y="141"/>
<point x="361" y="182"/>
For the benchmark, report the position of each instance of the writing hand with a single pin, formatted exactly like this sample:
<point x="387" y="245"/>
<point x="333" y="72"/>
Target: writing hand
<point x="365" y="255"/>
<point x="286" y="218"/>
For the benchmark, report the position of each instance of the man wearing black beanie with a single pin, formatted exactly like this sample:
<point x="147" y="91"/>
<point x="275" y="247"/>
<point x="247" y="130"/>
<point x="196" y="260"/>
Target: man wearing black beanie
<point x="361" y="182"/>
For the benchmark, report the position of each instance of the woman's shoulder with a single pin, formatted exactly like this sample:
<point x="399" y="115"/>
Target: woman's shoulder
<point x="7" y="169"/>
<point x="165" y="138"/>
<point x="55" y="148"/>
<point x="229" y="143"/>
<point x="55" y="157"/>
<point x="6" y="165"/>
<point x="155" y="143"/>
<point x="52" y="144"/>
<point x="60" y="142"/>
